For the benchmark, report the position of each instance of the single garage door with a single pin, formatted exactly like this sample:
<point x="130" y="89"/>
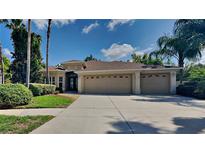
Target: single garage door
<point x="155" y="83"/>
<point x="108" y="84"/>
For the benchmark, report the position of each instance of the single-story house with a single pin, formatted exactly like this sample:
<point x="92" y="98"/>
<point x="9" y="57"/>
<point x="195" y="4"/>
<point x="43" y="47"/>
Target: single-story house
<point x="115" y="77"/>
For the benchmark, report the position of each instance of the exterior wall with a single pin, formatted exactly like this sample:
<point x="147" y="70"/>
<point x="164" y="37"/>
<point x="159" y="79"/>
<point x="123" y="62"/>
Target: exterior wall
<point x="136" y="83"/>
<point x="173" y="82"/>
<point x="80" y="84"/>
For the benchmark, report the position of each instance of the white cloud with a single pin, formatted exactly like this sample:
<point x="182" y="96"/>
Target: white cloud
<point x="42" y="23"/>
<point x="89" y="28"/>
<point x="147" y="50"/>
<point x="117" y="51"/>
<point x="115" y="22"/>
<point x="7" y="52"/>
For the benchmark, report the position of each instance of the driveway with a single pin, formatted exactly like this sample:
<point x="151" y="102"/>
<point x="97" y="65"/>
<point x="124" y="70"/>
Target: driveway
<point x="129" y="114"/>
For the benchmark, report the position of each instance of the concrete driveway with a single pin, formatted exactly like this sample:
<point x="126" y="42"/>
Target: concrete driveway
<point x="129" y="114"/>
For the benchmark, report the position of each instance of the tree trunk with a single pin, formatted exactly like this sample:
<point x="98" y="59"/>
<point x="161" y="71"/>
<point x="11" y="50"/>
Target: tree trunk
<point x="28" y="54"/>
<point x="2" y="64"/>
<point x="47" y="48"/>
<point x="181" y="64"/>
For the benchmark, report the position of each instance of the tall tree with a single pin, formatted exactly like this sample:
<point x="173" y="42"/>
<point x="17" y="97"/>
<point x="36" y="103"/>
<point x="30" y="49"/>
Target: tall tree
<point x="7" y="70"/>
<point x="19" y="36"/>
<point x="47" y="49"/>
<point x="28" y="54"/>
<point x="146" y="59"/>
<point x="179" y="47"/>
<point x="37" y="65"/>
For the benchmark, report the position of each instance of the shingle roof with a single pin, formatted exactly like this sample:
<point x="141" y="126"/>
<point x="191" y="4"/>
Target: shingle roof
<point x="113" y="65"/>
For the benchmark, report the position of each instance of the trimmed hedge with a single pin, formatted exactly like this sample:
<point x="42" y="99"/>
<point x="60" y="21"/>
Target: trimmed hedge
<point x="12" y="95"/>
<point x="192" y="89"/>
<point x="42" y="89"/>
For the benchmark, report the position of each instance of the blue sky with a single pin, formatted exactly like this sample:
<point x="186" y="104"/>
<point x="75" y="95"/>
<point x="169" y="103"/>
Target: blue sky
<point x="104" y="39"/>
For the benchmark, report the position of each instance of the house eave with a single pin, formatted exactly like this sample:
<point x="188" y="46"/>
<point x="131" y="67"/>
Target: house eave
<point x="128" y="70"/>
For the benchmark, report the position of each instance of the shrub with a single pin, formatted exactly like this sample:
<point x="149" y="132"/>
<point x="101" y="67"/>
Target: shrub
<point x="199" y="92"/>
<point x="36" y="89"/>
<point x="187" y="89"/>
<point x="192" y="89"/>
<point x="59" y="89"/>
<point x="42" y="89"/>
<point x="12" y="95"/>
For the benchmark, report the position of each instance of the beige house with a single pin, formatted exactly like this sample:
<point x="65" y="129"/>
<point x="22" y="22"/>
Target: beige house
<point x="116" y="77"/>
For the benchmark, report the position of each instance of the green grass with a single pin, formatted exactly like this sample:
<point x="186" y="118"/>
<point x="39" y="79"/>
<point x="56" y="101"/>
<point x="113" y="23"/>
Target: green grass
<point x="49" y="101"/>
<point x="21" y="124"/>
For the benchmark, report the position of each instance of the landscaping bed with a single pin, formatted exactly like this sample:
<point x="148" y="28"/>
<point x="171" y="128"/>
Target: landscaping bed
<point x="21" y="124"/>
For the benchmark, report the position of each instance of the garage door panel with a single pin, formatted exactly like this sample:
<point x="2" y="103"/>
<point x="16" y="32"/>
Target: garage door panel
<point x="155" y="83"/>
<point x="108" y="84"/>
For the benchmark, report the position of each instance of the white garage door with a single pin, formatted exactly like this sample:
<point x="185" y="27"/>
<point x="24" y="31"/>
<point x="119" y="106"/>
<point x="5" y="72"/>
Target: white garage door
<point x="108" y="84"/>
<point x="155" y="83"/>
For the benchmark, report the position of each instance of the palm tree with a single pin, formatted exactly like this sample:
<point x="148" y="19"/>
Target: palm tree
<point x="47" y="48"/>
<point x="15" y="24"/>
<point x="28" y="53"/>
<point x="179" y="47"/>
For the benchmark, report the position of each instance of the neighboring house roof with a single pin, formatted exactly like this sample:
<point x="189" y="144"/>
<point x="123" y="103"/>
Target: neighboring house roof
<point x="115" y="65"/>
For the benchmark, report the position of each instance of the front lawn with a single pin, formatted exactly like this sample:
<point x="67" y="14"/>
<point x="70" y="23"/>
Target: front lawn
<point x="21" y="124"/>
<point x="49" y="101"/>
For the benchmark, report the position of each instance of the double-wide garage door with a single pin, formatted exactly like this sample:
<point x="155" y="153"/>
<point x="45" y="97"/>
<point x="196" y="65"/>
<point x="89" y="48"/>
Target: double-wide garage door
<point x="108" y="84"/>
<point x="155" y="83"/>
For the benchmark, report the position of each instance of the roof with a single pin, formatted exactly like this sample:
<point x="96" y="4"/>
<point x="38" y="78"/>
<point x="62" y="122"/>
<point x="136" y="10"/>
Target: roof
<point x="112" y="65"/>
<point x="115" y="65"/>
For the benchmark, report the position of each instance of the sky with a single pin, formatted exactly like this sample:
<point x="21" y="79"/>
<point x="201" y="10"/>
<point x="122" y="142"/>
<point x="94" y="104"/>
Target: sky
<point x="106" y="40"/>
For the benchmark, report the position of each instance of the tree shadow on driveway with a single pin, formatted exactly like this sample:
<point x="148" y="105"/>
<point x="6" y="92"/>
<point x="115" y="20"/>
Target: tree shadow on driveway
<point x="133" y="128"/>
<point x="184" y="125"/>
<point x="189" y="125"/>
<point x="176" y="100"/>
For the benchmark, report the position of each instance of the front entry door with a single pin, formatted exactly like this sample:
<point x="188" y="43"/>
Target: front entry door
<point x="72" y="83"/>
<point x="72" y="80"/>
